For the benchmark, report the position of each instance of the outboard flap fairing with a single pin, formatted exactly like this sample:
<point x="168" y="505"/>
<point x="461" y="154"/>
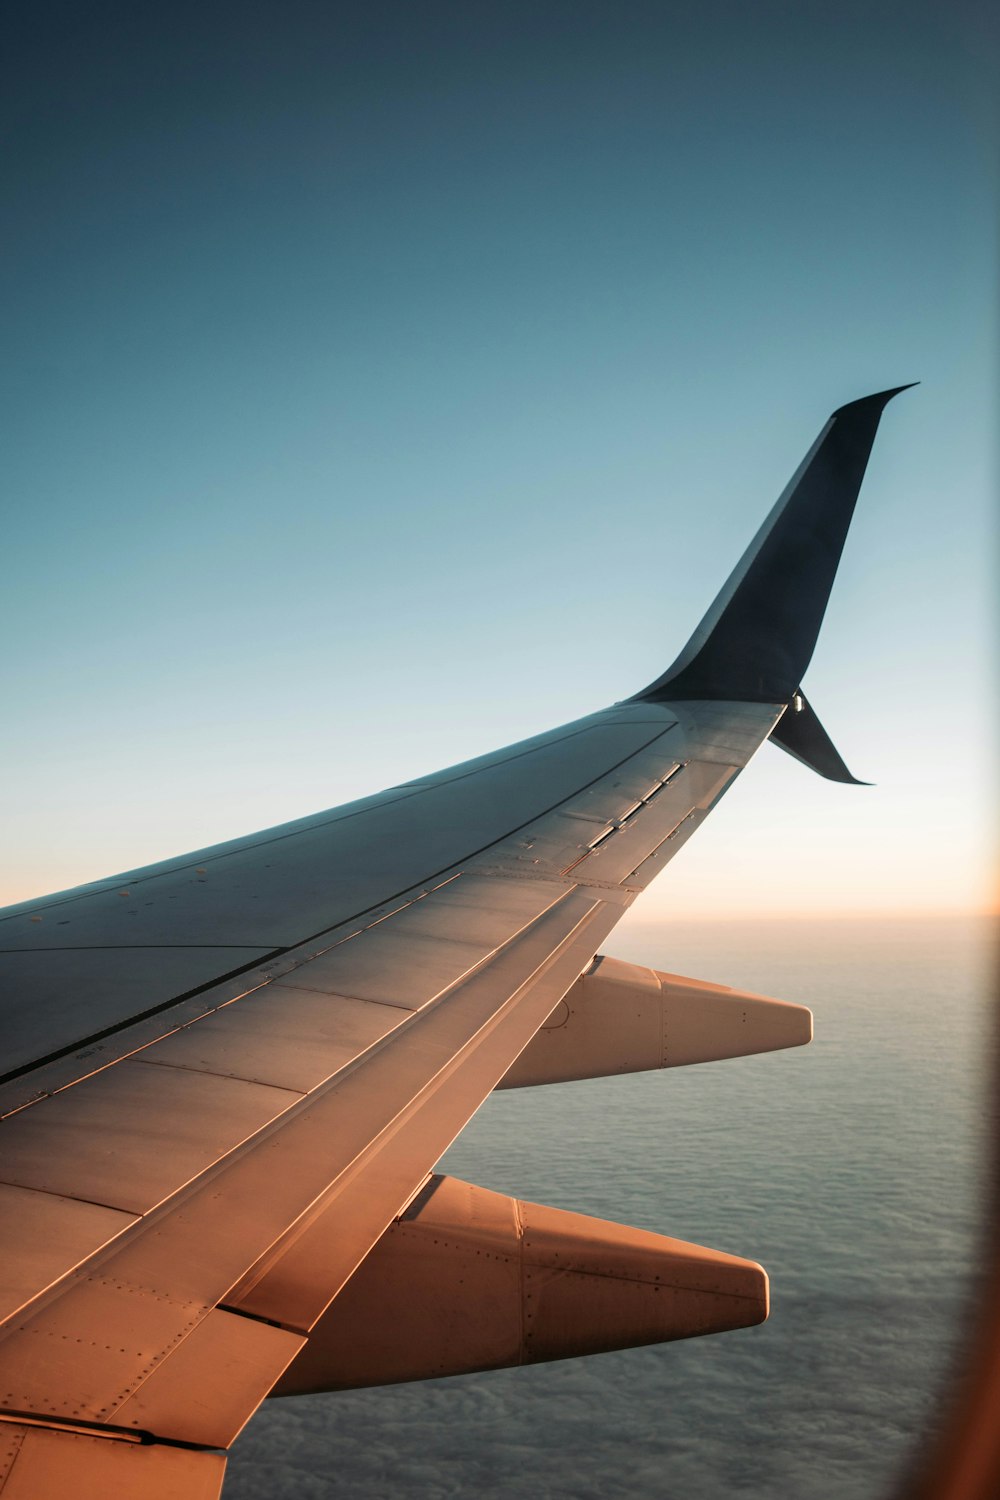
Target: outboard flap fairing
<point x="467" y="1279"/>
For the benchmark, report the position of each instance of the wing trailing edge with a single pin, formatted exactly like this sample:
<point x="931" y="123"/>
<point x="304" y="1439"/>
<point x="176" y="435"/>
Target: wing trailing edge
<point x="757" y="639"/>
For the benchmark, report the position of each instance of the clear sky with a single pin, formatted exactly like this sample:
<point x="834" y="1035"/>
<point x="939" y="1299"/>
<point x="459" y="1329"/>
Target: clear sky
<point x="384" y="383"/>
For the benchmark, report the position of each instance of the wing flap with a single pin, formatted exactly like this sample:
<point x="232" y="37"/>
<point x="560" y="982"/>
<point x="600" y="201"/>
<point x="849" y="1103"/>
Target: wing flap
<point x="300" y="1275"/>
<point x="43" y="1237"/>
<point x="131" y="1136"/>
<point x="347" y="1137"/>
<point x="206" y="1392"/>
<point x="288" y="1037"/>
<point x="47" y="1461"/>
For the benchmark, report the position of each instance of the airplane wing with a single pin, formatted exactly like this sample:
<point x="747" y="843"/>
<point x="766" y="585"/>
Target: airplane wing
<point x="227" y="1078"/>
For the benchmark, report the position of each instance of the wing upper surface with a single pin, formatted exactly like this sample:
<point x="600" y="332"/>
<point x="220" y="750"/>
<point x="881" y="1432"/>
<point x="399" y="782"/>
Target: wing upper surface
<point x="213" y="1181"/>
<point x="225" y="1074"/>
<point x="154" y="936"/>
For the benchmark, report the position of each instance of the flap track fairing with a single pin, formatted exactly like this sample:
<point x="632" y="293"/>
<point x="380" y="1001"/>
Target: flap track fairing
<point x="622" y="1018"/>
<point x="467" y="1279"/>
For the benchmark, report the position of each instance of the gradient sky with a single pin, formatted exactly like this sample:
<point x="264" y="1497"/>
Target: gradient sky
<point x="386" y="383"/>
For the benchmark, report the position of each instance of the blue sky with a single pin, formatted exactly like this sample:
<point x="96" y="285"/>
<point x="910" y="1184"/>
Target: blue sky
<point x="383" y="384"/>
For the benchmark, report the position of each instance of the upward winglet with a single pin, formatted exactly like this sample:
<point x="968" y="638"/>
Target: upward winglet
<point x="757" y="639"/>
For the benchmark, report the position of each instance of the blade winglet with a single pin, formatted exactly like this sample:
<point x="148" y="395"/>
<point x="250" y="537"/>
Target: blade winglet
<point x="757" y="639"/>
<point x="800" y="732"/>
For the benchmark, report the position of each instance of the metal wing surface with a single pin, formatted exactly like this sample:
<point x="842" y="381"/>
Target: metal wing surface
<point x="226" y="1075"/>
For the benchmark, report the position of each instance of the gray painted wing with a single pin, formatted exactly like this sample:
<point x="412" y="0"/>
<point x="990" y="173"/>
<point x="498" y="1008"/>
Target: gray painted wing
<point x="223" y="1076"/>
<point x="186" y="1185"/>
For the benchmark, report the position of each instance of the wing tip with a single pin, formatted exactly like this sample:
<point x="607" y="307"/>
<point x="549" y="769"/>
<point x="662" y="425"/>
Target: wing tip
<point x="757" y="638"/>
<point x="879" y="399"/>
<point x="800" y="733"/>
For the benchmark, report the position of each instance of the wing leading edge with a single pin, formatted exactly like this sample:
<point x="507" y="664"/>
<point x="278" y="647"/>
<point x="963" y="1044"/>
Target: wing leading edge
<point x="230" y="1073"/>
